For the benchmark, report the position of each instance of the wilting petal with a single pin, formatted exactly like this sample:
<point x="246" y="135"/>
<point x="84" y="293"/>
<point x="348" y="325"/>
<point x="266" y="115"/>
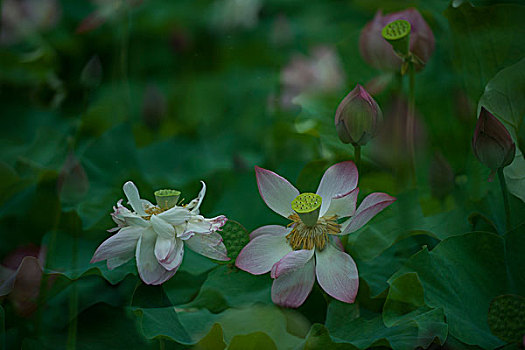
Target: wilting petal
<point x="275" y="230"/>
<point x="337" y="273"/>
<point x="343" y="206"/>
<point x="292" y="289"/>
<point x="174" y="258"/>
<point x="120" y="244"/>
<point x="132" y="219"/>
<point x="276" y="191"/>
<point x="162" y="228"/>
<point x="339" y="179"/>
<point x="199" y="224"/>
<point x="258" y="256"/>
<point x="26" y="276"/>
<point x="370" y="207"/>
<point x="150" y="271"/>
<point x="291" y="261"/>
<point x="115" y="262"/>
<point x="132" y="193"/>
<point x="175" y="215"/>
<point x="195" y="204"/>
<point x="209" y="245"/>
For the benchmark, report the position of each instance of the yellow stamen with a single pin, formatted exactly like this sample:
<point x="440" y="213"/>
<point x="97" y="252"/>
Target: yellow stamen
<point x="308" y="237"/>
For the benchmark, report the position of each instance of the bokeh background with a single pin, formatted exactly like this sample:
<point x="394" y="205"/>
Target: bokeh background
<point x="168" y="93"/>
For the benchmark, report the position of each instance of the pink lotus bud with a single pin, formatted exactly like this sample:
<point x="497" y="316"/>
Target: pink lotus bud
<point x="154" y="107"/>
<point x="72" y="183"/>
<point x="357" y="117"/>
<point x="441" y="177"/>
<point x="492" y="143"/>
<point x="378" y="53"/>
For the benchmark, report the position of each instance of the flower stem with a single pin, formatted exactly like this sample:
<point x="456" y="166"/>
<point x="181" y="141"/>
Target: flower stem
<point x="503" y="186"/>
<point x="357" y="157"/>
<point x="410" y="119"/>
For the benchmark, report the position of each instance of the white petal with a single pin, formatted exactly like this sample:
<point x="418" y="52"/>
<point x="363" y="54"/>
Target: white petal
<point x="209" y="245"/>
<point x="292" y="289"/>
<point x="162" y="228"/>
<point x="261" y="253"/>
<point x="199" y="224"/>
<point x="276" y="191"/>
<point x="175" y="255"/>
<point x="150" y="271"/>
<point x="113" y="263"/>
<point x="291" y="261"/>
<point x="175" y="215"/>
<point x="337" y="180"/>
<point x="195" y="204"/>
<point x="275" y="230"/>
<point x="120" y="244"/>
<point x="343" y="206"/>
<point x="132" y="193"/>
<point x="337" y="273"/>
<point x="163" y="247"/>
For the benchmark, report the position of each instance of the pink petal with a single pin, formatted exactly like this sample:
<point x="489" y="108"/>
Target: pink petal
<point x="292" y="289"/>
<point x="370" y="207"/>
<point x="343" y="206"/>
<point x="339" y="179"/>
<point x="276" y="230"/>
<point x="209" y="245"/>
<point x="276" y="191"/>
<point x="258" y="256"/>
<point x="150" y="271"/>
<point x="291" y="261"/>
<point x="337" y="273"/>
<point x="121" y="244"/>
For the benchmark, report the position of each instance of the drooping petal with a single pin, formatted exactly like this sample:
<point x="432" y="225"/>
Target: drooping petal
<point x="343" y="206"/>
<point x="175" y="215"/>
<point x="337" y="273"/>
<point x="199" y="224"/>
<point x="195" y="204"/>
<point x="115" y="262"/>
<point x="161" y="227"/>
<point x="291" y="261"/>
<point x="370" y="207"/>
<point x="276" y="191"/>
<point x="175" y="255"/>
<point x="150" y="271"/>
<point x="132" y="219"/>
<point x="339" y="179"/>
<point x="258" y="256"/>
<point x="132" y="193"/>
<point x="120" y="244"/>
<point x="163" y="247"/>
<point x="292" y="289"/>
<point x="209" y="245"/>
<point x="275" y="230"/>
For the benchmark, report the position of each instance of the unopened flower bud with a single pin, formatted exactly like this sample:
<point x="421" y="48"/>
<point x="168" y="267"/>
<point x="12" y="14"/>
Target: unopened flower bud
<point x="378" y="53"/>
<point x="492" y="143"/>
<point x="72" y="183"/>
<point x="357" y="117"/>
<point x="91" y="75"/>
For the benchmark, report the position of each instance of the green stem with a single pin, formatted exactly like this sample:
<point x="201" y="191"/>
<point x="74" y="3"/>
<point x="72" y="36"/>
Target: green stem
<point x="410" y="119"/>
<point x="503" y="186"/>
<point x="357" y="156"/>
<point x="162" y="344"/>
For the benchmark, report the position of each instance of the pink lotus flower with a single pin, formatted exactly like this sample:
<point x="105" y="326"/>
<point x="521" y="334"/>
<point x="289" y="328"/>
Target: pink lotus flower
<point x="288" y="252"/>
<point x="378" y="53"/>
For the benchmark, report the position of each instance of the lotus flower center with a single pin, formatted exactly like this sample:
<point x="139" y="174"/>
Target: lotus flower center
<point x="396" y="30"/>
<point x="166" y="199"/>
<point x="309" y="230"/>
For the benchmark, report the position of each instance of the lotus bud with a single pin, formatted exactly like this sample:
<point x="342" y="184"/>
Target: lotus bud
<point x="357" y="117"/>
<point x="441" y="177"/>
<point x="492" y="143"/>
<point x="91" y="75"/>
<point x="72" y="182"/>
<point x="378" y="53"/>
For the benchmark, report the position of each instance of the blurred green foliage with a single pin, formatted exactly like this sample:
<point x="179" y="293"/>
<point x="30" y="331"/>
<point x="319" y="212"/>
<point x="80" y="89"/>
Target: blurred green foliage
<point x="167" y="93"/>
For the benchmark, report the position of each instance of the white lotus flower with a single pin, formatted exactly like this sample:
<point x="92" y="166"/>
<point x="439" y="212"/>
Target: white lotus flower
<point x="156" y="234"/>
